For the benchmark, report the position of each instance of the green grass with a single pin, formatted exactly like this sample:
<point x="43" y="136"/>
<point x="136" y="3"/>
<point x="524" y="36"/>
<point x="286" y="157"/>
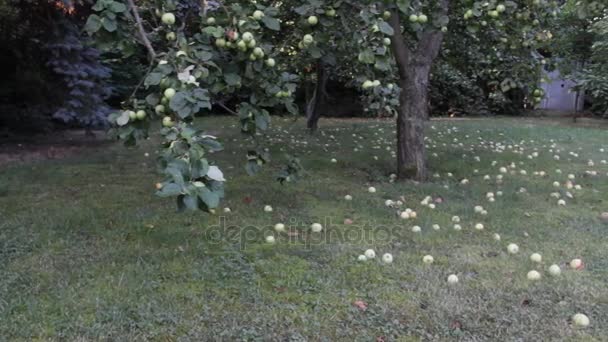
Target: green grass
<point x="87" y="252"/>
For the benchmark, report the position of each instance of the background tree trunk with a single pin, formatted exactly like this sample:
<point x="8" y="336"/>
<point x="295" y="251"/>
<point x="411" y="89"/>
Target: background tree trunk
<point x="313" y="109"/>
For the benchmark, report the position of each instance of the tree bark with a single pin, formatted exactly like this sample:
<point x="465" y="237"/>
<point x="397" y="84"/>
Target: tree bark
<point x="414" y="73"/>
<point x="313" y="109"/>
<point x="413" y="113"/>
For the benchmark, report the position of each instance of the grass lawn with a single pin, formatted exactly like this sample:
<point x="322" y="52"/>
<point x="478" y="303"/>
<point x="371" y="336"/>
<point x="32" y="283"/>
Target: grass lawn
<point x="87" y="252"/>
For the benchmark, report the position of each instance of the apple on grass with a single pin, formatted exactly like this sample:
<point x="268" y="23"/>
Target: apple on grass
<point x="370" y="254"/>
<point x="535" y="257"/>
<point x="534" y="275"/>
<point x="580" y="320"/>
<point x="555" y="270"/>
<point x="512" y="248"/>
<point x="577" y="264"/>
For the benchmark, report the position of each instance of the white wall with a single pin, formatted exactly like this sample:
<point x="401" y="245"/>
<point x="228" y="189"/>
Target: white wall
<point x="558" y="95"/>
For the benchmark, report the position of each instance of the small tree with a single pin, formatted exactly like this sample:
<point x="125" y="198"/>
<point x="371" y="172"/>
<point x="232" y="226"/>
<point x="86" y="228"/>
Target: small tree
<point x="83" y="75"/>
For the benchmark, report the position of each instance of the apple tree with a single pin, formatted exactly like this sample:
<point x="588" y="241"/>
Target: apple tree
<point x="203" y="56"/>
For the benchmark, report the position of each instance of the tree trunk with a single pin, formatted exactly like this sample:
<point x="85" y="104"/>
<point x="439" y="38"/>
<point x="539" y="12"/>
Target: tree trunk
<point x="313" y="109"/>
<point x="412" y="115"/>
<point x="414" y="73"/>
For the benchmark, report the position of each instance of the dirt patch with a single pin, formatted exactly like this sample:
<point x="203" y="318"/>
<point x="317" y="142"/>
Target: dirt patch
<point x="58" y="145"/>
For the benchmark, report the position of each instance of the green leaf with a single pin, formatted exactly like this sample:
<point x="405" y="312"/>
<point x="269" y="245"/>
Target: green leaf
<point x="152" y="99"/>
<point x="232" y="79"/>
<point x="169" y="190"/>
<point x="190" y="202"/>
<point x="117" y="7"/>
<point x="187" y="103"/>
<point x="109" y="24"/>
<point x="93" y="24"/>
<point x="210" y="198"/>
<point x="404" y="6"/>
<point x="386" y="28"/>
<point x="271" y="23"/>
<point x="99" y="6"/>
<point x="215" y="31"/>
<point x="367" y="56"/>
<point x="204" y="56"/>
<point x="315" y="52"/>
<point x="153" y="78"/>
<point x="262" y="120"/>
<point x="383" y="64"/>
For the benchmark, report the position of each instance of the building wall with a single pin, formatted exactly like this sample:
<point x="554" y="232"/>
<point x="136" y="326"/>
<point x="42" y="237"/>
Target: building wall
<point x="558" y="95"/>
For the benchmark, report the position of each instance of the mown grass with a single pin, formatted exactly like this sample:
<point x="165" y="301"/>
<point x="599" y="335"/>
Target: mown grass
<point x="87" y="252"/>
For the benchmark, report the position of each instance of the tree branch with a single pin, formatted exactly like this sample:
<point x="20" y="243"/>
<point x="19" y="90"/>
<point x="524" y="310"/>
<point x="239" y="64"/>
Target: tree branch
<point x="226" y="108"/>
<point x="400" y="50"/>
<point x="141" y="82"/>
<point x="430" y="41"/>
<point x="142" y="32"/>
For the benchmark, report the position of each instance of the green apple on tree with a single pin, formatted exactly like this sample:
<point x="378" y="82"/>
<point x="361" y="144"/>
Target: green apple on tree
<point x="169" y="93"/>
<point x="168" y="122"/>
<point x="168" y="19"/>
<point x="247" y="37"/>
<point x="258" y="15"/>
<point x="308" y="39"/>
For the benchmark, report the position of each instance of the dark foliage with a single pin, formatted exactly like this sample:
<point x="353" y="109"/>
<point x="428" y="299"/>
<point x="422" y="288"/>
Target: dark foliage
<point x="84" y="78"/>
<point x="50" y="75"/>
